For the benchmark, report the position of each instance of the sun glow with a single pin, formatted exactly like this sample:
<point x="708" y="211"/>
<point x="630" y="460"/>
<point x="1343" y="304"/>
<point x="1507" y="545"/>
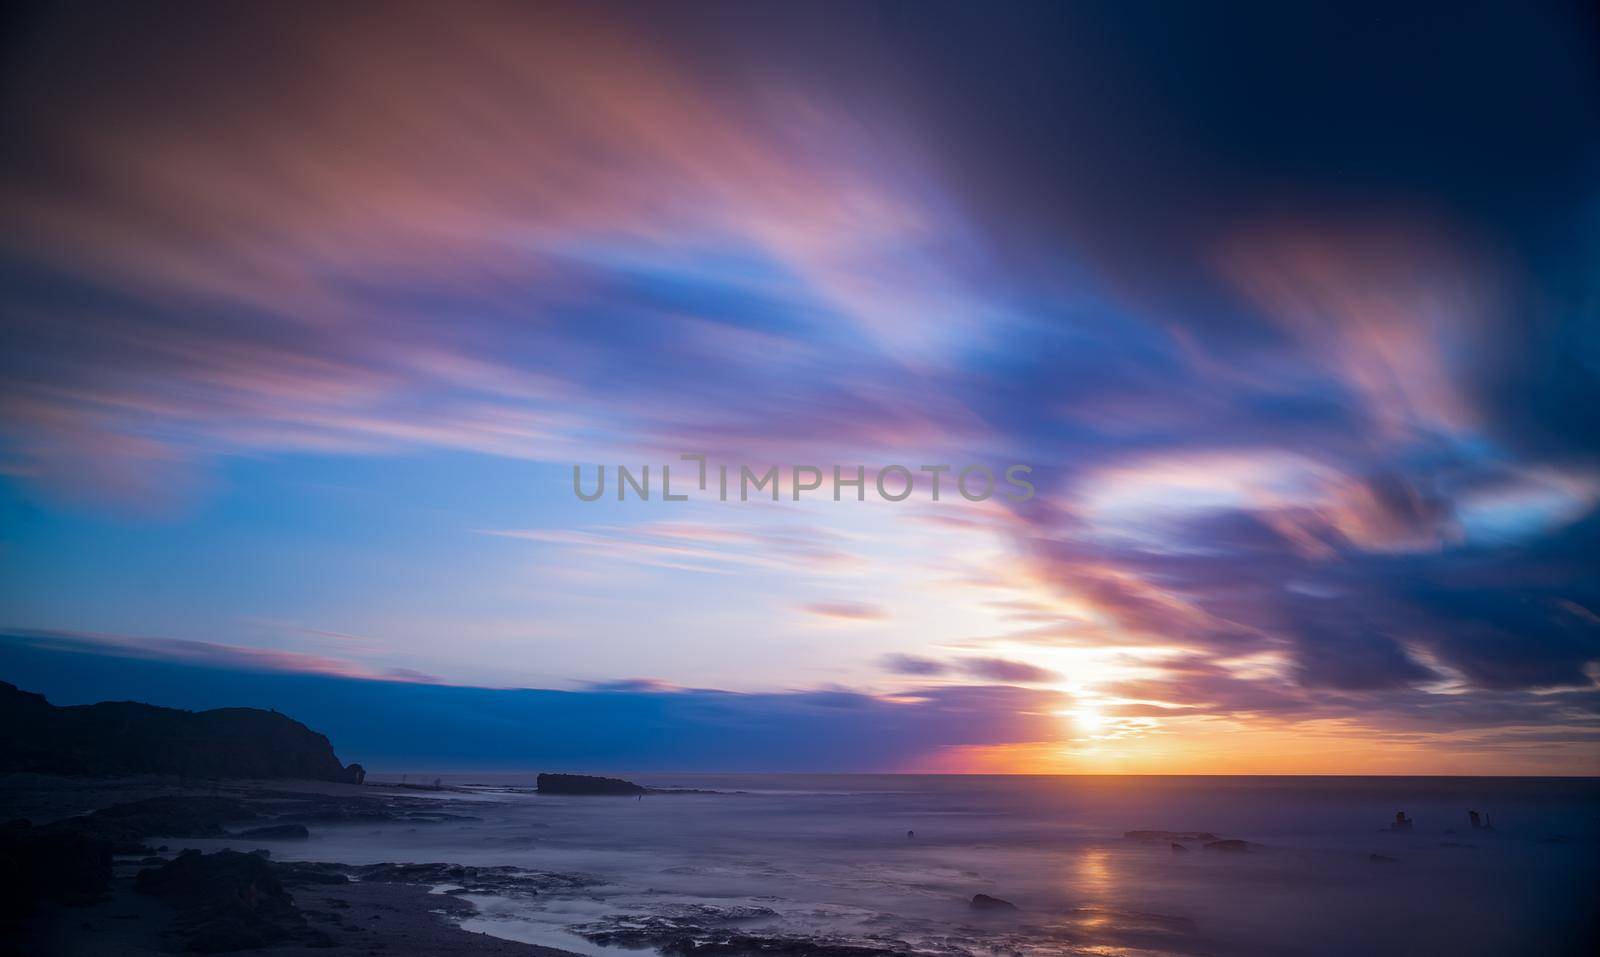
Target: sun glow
<point x="1090" y="720"/>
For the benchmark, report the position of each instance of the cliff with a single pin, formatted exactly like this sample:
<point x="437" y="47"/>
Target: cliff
<point x="122" y="737"/>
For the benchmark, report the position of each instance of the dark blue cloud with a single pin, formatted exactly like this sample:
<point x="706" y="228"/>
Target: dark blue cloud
<point x="624" y="726"/>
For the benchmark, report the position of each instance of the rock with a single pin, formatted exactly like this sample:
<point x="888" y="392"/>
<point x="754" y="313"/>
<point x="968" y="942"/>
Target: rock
<point x="306" y="873"/>
<point x="1401" y="822"/>
<point x="415" y="873"/>
<point x="585" y="784"/>
<point x="1170" y="836"/>
<point x="1176" y="847"/>
<point x="1382" y="859"/>
<point x="277" y="832"/>
<point x="745" y="945"/>
<point x="709" y="930"/>
<point x="124" y="737"/>
<point x="225" y="901"/>
<point x="504" y="879"/>
<point x="1228" y="846"/>
<point x="50" y="864"/>
<point x="984" y="902"/>
<point x="125" y="826"/>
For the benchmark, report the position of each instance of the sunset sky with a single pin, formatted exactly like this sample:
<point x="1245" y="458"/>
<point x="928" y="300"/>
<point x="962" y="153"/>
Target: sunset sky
<point x="1293" y="309"/>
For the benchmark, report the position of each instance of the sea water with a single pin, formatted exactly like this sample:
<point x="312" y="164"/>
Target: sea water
<point x="891" y="863"/>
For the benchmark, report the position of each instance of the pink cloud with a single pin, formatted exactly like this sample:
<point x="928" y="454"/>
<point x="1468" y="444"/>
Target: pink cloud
<point x="846" y="610"/>
<point x="214" y="655"/>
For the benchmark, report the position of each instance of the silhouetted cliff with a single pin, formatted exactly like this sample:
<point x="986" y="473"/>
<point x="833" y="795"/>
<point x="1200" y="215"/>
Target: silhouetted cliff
<point x="122" y="737"/>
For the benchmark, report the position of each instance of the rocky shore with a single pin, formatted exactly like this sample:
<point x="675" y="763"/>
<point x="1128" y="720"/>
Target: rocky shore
<point x="116" y="878"/>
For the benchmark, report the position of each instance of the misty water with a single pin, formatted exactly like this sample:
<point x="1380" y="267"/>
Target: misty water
<point x="828" y="858"/>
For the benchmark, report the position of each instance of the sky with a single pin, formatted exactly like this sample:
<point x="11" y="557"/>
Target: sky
<point x="1292" y="310"/>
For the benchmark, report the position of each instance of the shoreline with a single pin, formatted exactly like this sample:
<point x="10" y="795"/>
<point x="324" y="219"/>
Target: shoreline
<point x="342" y="915"/>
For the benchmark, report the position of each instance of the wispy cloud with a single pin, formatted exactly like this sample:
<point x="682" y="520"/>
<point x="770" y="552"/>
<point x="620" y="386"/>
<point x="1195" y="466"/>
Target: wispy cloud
<point x="1311" y="420"/>
<point x="845" y="610"/>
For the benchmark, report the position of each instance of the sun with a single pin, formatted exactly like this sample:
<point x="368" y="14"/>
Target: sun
<point x="1090" y="719"/>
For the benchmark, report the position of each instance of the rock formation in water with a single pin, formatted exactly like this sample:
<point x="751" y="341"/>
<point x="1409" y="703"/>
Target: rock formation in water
<point x="984" y="902"/>
<point x="123" y="737"/>
<point x="1170" y="836"/>
<point x="277" y="832"/>
<point x="1401" y="822"/>
<point x="586" y="784"/>
<point x="1232" y="845"/>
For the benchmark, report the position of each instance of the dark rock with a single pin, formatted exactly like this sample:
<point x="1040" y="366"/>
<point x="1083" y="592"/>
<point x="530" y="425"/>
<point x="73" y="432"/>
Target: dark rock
<point x="1401" y="822"/>
<point x="585" y="784"/>
<point x="746" y="945"/>
<point x="708" y="930"/>
<point x="1382" y="859"/>
<point x="50" y="864"/>
<point x="125" y="826"/>
<point x="225" y="901"/>
<point x="176" y="816"/>
<point x="305" y="873"/>
<point x="1228" y="846"/>
<point x="323" y="810"/>
<point x="501" y="879"/>
<point x="1176" y="847"/>
<point x="277" y="832"/>
<point x="414" y="873"/>
<point x="674" y="928"/>
<point x="984" y="902"/>
<point x="1170" y="836"/>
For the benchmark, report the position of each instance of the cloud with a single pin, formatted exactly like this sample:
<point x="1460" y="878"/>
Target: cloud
<point x="845" y="610"/>
<point x="631" y="726"/>
<point x="326" y="281"/>
<point x="208" y="654"/>
<point x="1387" y="312"/>
<point x="635" y="686"/>
<point x="999" y="669"/>
<point x="1334" y="407"/>
<point x="913" y="665"/>
<point x="989" y="669"/>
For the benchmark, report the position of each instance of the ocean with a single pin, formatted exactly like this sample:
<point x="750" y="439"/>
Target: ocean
<point x="890" y="863"/>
